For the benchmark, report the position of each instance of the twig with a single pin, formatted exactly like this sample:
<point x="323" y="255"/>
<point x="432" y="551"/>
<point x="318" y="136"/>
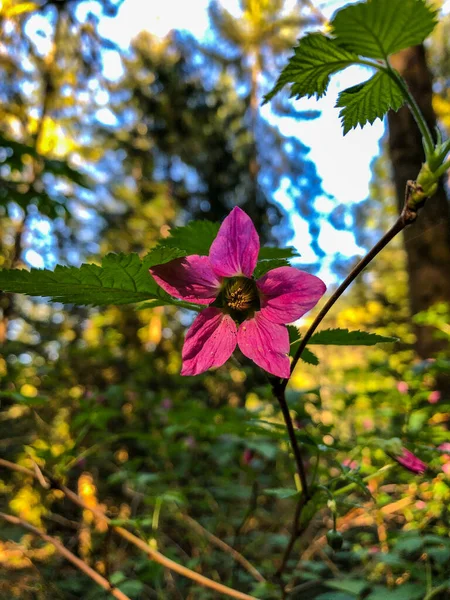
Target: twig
<point x="279" y="392"/>
<point x="294" y="535"/>
<point x="130" y="537"/>
<point x="398" y="226"/>
<point x="225" y="547"/>
<point x="80" y="564"/>
<point x="407" y="217"/>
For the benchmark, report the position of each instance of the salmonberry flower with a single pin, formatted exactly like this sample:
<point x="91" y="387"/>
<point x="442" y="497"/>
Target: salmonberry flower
<point x="409" y="461"/>
<point x="240" y="310"/>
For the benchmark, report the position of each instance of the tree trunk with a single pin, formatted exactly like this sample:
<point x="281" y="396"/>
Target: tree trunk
<point x="427" y="243"/>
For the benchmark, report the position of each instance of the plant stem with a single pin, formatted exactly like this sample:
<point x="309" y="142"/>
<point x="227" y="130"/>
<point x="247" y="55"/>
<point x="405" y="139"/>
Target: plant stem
<point x="398" y="226"/>
<point x="279" y="392"/>
<point x="352" y="486"/>
<point x="437" y="590"/>
<point x="415" y="110"/>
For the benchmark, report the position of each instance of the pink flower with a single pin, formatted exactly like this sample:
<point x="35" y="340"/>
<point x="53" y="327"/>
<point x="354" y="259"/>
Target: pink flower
<point x="247" y="456"/>
<point x="240" y="310"/>
<point x="402" y="387"/>
<point x="434" y="397"/>
<point x="408" y="460"/>
<point x="351" y="464"/>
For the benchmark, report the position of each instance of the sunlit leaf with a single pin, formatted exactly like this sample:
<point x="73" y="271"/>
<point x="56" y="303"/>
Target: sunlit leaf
<point x="308" y="72"/>
<point x="378" y="28"/>
<point x="365" y="102"/>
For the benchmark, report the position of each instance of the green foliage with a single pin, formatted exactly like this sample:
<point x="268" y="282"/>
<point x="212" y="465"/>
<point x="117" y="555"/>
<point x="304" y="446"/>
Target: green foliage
<point x="344" y="337"/>
<point x="378" y="28"/>
<point x="316" y="58"/>
<point x="294" y="338"/>
<point x="194" y="238"/>
<point x="361" y="33"/>
<point x="120" y="279"/>
<point x="365" y="102"/>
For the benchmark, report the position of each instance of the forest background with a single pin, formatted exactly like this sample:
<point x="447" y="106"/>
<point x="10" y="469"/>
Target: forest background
<point x="92" y="163"/>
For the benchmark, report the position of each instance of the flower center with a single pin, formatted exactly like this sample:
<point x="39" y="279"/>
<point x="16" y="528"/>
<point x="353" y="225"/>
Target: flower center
<point x="240" y="294"/>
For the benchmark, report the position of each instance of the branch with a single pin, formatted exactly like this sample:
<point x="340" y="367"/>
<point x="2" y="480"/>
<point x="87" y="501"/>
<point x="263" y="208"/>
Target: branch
<point x="407" y="217"/>
<point x="130" y="537"/>
<point x="80" y="564"/>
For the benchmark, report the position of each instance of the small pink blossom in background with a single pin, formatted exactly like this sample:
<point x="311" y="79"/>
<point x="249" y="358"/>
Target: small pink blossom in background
<point x="434" y="397"/>
<point x="166" y="404"/>
<point x="241" y="311"/>
<point x="368" y="424"/>
<point x="351" y="464"/>
<point x="190" y="441"/>
<point x="408" y="460"/>
<point x="402" y="387"/>
<point x="446" y="468"/>
<point x="374" y="550"/>
<point x="445" y="446"/>
<point x="420" y="504"/>
<point x="247" y="456"/>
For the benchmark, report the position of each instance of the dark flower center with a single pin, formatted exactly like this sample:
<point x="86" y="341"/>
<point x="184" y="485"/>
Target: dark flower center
<point x="239" y="298"/>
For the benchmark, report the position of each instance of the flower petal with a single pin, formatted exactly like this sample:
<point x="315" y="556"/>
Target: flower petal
<point x="209" y="342"/>
<point x="410" y="461"/>
<point x="266" y="343"/>
<point x="190" y="278"/>
<point x="288" y="293"/>
<point x="236" y="247"/>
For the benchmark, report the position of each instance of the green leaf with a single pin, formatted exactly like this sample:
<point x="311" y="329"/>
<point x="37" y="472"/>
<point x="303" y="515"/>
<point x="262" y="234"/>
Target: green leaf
<point x="309" y="357"/>
<point x="365" y="102"/>
<point x="378" y="28"/>
<point x="269" y="252"/>
<point x="264" y="266"/>
<point x="194" y="238"/>
<point x="121" y="279"/>
<point x="282" y="493"/>
<point x="294" y="339"/>
<point x="344" y="337"/>
<point x="352" y="586"/>
<point x="408" y="591"/>
<point x="316" y="58"/>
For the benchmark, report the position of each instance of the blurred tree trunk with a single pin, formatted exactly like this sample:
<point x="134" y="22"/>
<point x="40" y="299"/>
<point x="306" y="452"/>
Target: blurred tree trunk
<point x="427" y="243"/>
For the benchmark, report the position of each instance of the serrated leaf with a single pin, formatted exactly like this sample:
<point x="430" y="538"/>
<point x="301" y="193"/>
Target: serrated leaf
<point x="365" y="102"/>
<point x="294" y="339"/>
<point x="316" y="58"/>
<point x="121" y="279"/>
<point x="194" y="238"/>
<point x="309" y="357"/>
<point x="344" y="337"/>
<point x="378" y="28"/>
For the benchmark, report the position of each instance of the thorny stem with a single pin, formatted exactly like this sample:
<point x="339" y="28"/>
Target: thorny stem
<point x="407" y="217"/>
